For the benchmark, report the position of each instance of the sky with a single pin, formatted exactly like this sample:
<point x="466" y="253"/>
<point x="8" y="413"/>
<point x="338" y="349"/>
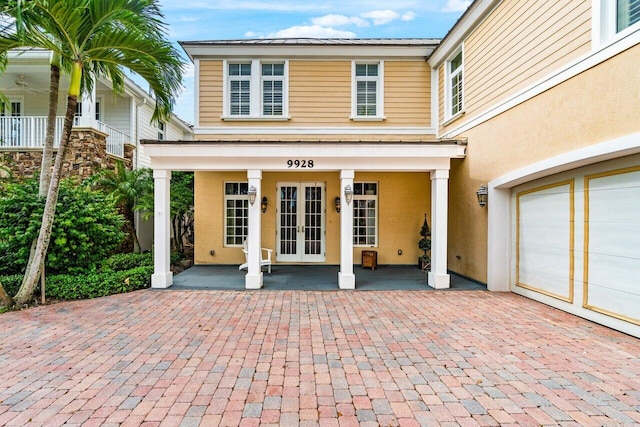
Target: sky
<point x="191" y="20"/>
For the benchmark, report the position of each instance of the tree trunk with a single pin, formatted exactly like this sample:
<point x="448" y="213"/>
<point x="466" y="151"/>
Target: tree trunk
<point x="27" y="288"/>
<point x="47" y="151"/>
<point x="5" y="300"/>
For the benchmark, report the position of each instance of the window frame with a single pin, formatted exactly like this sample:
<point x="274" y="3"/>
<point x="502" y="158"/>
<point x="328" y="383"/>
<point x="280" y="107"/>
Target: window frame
<point x="450" y="74"/>
<point x="605" y="23"/>
<point x="162" y="129"/>
<point x="379" y="79"/>
<point x="366" y="197"/>
<point x="256" y="88"/>
<point x="236" y="197"/>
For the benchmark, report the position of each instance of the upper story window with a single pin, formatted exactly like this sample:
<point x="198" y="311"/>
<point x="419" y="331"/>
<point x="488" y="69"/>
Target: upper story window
<point x="255" y="89"/>
<point x="628" y="14"/>
<point x="272" y="89"/>
<point x="455" y="98"/>
<point x="161" y="131"/>
<point x="614" y="19"/>
<point x="367" y="91"/>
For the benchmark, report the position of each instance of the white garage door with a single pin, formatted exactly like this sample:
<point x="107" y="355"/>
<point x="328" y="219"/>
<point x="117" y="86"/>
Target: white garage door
<point x="576" y="242"/>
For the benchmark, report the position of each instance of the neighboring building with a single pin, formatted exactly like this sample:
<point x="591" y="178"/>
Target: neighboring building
<point x="108" y="126"/>
<point x="536" y="100"/>
<point x="122" y="119"/>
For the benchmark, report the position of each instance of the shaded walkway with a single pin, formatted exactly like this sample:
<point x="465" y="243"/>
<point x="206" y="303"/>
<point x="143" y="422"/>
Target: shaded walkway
<point x="313" y="358"/>
<point x="313" y="277"/>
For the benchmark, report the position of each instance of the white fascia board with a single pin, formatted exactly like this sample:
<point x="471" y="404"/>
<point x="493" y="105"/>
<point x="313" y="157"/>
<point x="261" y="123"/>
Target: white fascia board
<point x="320" y="131"/>
<point x="619" y="147"/>
<point x="325" y="157"/>
<point x="30" y="54"/>
<point x="476" y="13"/>
<point x="307" y="52"/>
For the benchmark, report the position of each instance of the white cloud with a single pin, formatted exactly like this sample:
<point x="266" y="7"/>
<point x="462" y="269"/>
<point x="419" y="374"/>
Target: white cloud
<point x="251" y="34"/>
<point x="381" y="17"/>
<point x="311" y="31"/>
<point x="338" y="20"/>
<point x="409" y="16"/>
<point x="456" y="5"/>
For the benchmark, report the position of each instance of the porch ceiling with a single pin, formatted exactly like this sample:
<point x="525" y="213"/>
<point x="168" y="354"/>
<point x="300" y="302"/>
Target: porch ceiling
<point x="324" y="156"/>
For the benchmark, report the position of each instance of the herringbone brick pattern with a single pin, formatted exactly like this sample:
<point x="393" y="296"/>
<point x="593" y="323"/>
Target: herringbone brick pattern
<point x="182" y="358"/>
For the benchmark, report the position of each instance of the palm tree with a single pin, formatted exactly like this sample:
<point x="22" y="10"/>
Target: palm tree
<point x="95" y="38"/>
<point x="127" y="187"/>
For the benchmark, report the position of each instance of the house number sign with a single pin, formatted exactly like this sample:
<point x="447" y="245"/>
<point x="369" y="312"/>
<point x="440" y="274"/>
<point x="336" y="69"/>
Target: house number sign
<point x="307" y="164"/>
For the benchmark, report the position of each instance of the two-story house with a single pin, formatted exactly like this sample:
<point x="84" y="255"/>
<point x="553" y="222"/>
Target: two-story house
<point x="317" y="148"/>
<point x="535" y="103"/>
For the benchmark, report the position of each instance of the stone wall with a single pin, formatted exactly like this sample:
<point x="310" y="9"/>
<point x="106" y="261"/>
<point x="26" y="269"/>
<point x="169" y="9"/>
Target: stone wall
<point x="86" y="155"/>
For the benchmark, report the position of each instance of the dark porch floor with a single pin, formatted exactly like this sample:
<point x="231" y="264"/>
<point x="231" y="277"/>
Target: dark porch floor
<point x="314" y="278"/>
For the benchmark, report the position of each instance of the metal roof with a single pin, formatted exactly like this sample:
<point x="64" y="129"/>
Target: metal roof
<point x="319" y="42"/>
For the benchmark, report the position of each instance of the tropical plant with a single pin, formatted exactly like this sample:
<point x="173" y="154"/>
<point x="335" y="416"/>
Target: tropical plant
<point x="94" y="38"/>
<point x="86" y="230"/>
<point x="127" y="187"/>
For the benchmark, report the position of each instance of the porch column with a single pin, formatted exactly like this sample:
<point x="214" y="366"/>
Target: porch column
<point x="162" y="276"/>
<point x="346" y="278"/>
<point x="253" y="279"/>
<point x="87" y="118"/>
<point x="438" y="277"/>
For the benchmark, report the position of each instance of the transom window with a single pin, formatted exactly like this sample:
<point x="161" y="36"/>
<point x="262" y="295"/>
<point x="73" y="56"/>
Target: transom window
<point x="367" y="90"/>
<point x="365" y="214"/>
<point x="236" y="213"/>
<point x="255" y="89"/>
<point x="455" y="84"/>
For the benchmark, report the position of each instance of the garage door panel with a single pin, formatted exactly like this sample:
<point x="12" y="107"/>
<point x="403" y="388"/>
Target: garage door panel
<point x="544" y="240"/>
<point x="612" y="243"/>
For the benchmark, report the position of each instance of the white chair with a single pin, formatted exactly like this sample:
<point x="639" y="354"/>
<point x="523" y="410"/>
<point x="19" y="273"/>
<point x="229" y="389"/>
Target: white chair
<point x="266" y="261"/>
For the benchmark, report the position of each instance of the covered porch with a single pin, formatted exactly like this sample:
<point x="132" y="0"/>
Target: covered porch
<point x="314" y="278"/>
<point x="344" y="159"/>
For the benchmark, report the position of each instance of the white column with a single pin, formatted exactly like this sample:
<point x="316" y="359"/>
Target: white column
<point x="88" y="117"/>
<point x="438" y="277"/>
<point x="499" y="235"/>
<point x="162" y="276"/>
<point x="346" y="278"/>
<point x="253" y="279"/>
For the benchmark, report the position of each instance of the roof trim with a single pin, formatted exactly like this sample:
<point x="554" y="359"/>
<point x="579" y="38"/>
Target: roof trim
<point x="311" y="48"/>
<point x="469" y="20"/>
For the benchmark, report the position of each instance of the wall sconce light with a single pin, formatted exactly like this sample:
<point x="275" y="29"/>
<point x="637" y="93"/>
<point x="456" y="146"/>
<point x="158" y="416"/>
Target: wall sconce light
<point x="252" y="194"/>
<point x="483" y="194"/>
<point x="348" y="193"/>
<point x="336" y="201"/>
<point x="264" y="204"/>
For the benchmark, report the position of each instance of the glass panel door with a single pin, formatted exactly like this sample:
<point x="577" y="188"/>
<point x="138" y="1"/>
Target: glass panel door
<point x="300" y="228"/>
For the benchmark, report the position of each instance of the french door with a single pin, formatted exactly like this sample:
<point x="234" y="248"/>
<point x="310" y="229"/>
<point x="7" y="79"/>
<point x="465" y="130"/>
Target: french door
<point x="300" y="227"/>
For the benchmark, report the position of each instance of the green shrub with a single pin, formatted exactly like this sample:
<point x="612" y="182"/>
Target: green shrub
<point x="120" y="262"/>
<point x="87" y="228"/>
<point x="97" y="284"/>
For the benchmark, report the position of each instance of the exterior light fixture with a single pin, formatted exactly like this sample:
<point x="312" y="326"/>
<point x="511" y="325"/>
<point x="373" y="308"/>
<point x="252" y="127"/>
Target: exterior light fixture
<point x="348" y="193"/>
<point x="483" y="194"/>
<point x="264" y="204"/>
<point x="252" y="194"/>
<point x="336" y="201"/>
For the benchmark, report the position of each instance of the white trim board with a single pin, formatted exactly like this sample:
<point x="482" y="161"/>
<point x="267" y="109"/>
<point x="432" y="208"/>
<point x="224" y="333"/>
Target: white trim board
<point x="303" y="130"/>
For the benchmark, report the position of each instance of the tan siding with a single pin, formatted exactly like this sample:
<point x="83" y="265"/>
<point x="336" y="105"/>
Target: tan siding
<point x="317" y="137"/>
<point x="441" y="87"/>
<point x="320" y="95"/>
<point x="407" y="90"/>
<point x="210" y="92"/>
<point x="520" y="43"/>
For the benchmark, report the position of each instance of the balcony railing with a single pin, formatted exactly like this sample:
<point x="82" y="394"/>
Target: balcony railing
<point x="30" y="132"/>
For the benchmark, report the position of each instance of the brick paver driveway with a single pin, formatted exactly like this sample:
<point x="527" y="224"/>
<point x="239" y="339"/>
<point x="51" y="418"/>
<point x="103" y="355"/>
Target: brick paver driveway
<point x="309" y="358"/>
